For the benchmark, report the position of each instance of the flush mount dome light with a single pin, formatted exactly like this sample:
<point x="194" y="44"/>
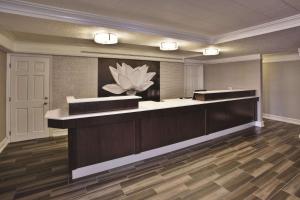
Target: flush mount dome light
<point x="168" y="46"/>
<point x="105" y="38"/>
<point x="211" y="51"/>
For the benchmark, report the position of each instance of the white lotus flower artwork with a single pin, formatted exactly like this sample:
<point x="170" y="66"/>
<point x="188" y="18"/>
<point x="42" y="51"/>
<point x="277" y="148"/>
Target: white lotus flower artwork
<point x="129" y="80"/>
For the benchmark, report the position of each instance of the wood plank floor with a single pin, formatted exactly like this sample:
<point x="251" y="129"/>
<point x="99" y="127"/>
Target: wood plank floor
<point x="245" y="165"/>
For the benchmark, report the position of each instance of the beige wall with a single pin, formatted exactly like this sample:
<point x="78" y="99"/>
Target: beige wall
<point x="73" y="76"/>
<point x="2" y="95"/>
<point x="193" y="78"/>
<point x="238" y="75"/>
<point x="281" y="89"/>
<point x="171" y="80"/>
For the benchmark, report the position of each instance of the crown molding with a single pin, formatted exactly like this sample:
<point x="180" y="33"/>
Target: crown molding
<point x="277" y="25"/>
<point x="65" y="15"/>
<point x="37" y="10"/>
<point x="281" y="58"/>
<point x="233" y="59"/>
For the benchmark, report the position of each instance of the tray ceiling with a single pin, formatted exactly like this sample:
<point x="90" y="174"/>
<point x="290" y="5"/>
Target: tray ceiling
<point x="207" y="17"/>
<point x="195" y="24"/>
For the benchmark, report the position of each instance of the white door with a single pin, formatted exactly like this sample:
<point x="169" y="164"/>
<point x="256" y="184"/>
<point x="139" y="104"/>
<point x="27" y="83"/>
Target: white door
<point x="29" y="97"/>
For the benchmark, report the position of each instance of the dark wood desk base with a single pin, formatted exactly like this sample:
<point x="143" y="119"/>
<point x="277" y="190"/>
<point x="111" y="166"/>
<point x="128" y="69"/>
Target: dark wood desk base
<point x="98" y="139"/>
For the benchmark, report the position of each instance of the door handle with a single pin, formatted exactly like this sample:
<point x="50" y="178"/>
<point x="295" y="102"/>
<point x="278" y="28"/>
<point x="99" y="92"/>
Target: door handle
<point x="46" y="98"/>
<point x="45" y="103"/>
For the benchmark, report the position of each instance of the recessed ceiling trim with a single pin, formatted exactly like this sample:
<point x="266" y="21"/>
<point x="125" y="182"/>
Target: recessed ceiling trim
<point x="72" y="16"/>
<point x="277" y="25"/>
<point x="64" y="50"/>
<point x="130" y="56"/>
<point x="281" y="58"/>
<point x="233" y="59"/>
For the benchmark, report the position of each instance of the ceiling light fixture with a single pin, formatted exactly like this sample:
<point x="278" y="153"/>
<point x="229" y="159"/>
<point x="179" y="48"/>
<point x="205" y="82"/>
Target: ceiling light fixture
<point x="106" y="38"/>
<point x="168" y="46"/>
<point x="211" y="51"/>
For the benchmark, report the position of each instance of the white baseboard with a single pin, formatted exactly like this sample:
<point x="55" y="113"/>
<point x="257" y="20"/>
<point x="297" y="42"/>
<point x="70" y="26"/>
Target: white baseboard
<point x="100" y="167"/>
<point x="59" y="133"/>
<point x="282" y="119"/>
<point x="259" y="124"/>
<point x="3" y="144"/>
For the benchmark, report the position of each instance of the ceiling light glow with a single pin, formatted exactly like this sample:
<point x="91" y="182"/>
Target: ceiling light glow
<point x="105" y="38"/>
<point x="168" y="46"/>
<point x="211" y="51"/>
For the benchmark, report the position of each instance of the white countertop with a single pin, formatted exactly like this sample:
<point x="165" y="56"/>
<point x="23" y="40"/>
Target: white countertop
<point x="59" y="114"/>
<point x="221" y="91"/>
<point x="112" y="98"/>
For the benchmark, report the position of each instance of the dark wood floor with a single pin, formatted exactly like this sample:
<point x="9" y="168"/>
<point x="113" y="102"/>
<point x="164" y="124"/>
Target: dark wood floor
<point x="245" y="165"/>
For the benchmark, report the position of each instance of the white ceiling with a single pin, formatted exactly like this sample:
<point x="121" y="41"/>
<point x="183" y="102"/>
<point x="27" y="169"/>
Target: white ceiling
<point x="208" y="17"/>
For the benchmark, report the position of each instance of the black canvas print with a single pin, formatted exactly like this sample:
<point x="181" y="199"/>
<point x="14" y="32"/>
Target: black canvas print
<point x="129" y="77"/>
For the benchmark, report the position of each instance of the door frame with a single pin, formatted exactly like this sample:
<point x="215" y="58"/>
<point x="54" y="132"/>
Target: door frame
<point x="8" y="86"/>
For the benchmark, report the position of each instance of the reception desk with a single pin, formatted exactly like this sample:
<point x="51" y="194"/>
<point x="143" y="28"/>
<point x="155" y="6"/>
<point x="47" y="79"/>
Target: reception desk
<point x="105" y="140"/>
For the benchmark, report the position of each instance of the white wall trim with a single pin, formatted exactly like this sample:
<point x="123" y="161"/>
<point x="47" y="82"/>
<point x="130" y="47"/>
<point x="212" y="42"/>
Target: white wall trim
<point x="273" y="26"/>
<point x="282" y="119"/>
<point x="260" y="124"/>
<point x="233" y="59"/>
<point x="7" y="96"/>
<point x="50" y="83"/>
<point x="100" y="167"/>
<point x="3" y="144"/>
<point x="281" y="58"/>
<point x="65" y="15"/>
<point x="59" y="133"/>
